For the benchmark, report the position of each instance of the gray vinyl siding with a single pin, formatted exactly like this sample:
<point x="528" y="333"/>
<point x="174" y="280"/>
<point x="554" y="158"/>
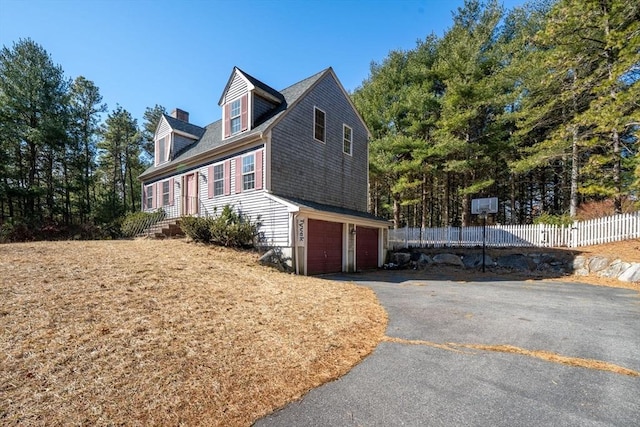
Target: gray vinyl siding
<point x="260" y="107"/>
<point x="179" y="143"/>
<point x="302" y="167"/>
<point x="237" y="88"/>
<point x="163" y="129"/>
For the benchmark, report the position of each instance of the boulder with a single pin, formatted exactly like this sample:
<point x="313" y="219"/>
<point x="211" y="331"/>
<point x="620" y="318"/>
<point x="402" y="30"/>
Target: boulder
<point x="448" y="259"/>
<point x="475" y="260"/>
<point x="275" y="258"/>
<point x="631" y="274"/>
<point x="424" y="261"/>
<point x="598" y="263"/>
<point x="615" y="269"/>
<point x="580" y="263"/>
<point x="400" y="258"/>
<point x="516" y="262"/>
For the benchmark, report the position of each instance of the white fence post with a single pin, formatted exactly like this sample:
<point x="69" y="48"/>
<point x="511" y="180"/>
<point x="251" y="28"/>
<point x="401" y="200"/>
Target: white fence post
<point x="580" y="233"/>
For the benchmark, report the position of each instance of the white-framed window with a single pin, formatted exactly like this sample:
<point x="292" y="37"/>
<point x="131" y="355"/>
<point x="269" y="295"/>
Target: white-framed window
<point x="319" y="124"/>
<point x="248" y="172"/>
<point x="149" y="199"/>
<point x="235" y="117"/>
<point x="165" y="193"/>
<point x="162" y="149"/>
<point x="218" y="179"/>
<point x="347" y="140"/>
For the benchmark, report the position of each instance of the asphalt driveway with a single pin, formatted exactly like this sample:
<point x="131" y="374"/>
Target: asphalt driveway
<point x="441" y="364"/>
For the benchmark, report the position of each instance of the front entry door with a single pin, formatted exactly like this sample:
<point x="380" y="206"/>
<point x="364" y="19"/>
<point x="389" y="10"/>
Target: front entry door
<point x="191" y="194"/>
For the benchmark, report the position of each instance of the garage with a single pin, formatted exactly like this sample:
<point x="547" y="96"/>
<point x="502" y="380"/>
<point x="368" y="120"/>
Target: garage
<point x="366" y="248"/>
<point x="324" y="250"/>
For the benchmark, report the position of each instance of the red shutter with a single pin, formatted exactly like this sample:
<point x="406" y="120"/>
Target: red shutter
<point x="238" y="174"/>
<point x="171" y="184"/>
<point x="244" y="116"/>
<point x="258" y="170"/>
<point x="227" y="120"/>
<point x="157" y="201"/>
<point x="210" y="182"/>
<point x="227" y="177"/>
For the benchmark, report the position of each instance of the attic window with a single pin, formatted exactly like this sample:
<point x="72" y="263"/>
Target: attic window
<point x="318" y="124"/>
<point x="161" y="153"/>
<point x="236" y="122"/>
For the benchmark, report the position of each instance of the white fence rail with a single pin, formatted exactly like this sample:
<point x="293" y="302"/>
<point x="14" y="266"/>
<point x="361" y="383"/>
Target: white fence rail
<point x="581" y="233"/>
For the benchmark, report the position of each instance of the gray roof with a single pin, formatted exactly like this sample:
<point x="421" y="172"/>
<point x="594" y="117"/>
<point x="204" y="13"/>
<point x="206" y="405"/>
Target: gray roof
<point x="331" y="209"/>
<point x="212" y="136"/>
<point x="180" y="125"/>
<point x="257" y="83"/>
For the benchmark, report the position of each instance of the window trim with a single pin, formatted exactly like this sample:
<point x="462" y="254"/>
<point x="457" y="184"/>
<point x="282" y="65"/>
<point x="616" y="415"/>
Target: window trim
<point x="167" y="194"/>
<point x="220" y="180"/>
<point x="162" y="149"/>
<point x="148" y="202"/>
<point x="237" y="117"/>
<point x="324" y="125"/>
<point x="344" y="139"/>
<point x="253" y="172"/>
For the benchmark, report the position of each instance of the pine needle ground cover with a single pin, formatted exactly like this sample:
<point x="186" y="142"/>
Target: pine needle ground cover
<point x="151" y="332"/>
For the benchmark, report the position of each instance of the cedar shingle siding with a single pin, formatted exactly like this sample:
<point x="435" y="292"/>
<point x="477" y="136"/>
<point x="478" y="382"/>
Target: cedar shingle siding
<point x="306" y="169"/>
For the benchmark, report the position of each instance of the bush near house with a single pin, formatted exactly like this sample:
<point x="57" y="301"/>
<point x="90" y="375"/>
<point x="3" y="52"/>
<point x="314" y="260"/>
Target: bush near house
<point x="229" y="229"/>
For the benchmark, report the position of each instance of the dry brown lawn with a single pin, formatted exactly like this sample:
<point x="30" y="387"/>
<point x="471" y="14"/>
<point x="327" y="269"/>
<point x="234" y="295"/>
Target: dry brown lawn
<point x="152" y="332"/>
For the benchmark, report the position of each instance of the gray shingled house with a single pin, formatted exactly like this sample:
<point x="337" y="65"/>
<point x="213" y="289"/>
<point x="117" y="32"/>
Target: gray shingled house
<point x="297" y="158"/>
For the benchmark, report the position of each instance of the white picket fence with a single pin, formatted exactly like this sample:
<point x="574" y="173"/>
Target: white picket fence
<point x="581" y="233"/>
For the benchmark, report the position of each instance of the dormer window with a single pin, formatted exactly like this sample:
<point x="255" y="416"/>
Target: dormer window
<point x="235" y="116"/>
<point x="162" y="149"/>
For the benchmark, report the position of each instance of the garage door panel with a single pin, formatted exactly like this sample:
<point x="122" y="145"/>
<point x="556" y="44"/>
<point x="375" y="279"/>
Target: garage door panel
<point x="324" y="250"/>
<point x="366" y="248"/>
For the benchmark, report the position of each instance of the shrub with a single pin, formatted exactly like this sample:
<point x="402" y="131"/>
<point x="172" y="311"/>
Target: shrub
<point x="234" y="229"/>
<point x="18" y="231"/>
<point x="197" y="228"/>
<point x="230" y="229"/>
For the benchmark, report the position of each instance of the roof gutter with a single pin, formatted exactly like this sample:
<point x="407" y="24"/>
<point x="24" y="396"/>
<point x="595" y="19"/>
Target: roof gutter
<point x="191" y="161"/>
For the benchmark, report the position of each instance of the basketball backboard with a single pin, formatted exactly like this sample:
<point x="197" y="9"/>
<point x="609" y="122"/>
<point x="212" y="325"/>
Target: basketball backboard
<point x="484" y="206"/>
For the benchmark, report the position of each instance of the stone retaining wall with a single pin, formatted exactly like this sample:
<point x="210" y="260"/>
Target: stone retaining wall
<point x="540" y="262"/>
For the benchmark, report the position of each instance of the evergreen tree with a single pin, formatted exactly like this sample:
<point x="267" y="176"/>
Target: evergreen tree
<point x="151" y="117"/>
<point x="86" y="108"/>
<point x="119" y="162"/>
<point x="33" y="120"/>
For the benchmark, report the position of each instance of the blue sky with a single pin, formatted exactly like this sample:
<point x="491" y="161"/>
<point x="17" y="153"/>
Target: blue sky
<point x="181" y="53"/>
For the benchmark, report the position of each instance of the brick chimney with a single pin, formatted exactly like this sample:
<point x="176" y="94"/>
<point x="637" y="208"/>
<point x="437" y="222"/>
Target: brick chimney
<point x="180" y="115"/>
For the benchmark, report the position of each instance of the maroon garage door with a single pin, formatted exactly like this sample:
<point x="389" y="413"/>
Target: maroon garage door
<point x="366" y="248"/>
<point x="324" y="250"/>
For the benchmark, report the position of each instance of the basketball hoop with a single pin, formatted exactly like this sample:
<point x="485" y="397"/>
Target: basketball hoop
<point x="483" y="207"/>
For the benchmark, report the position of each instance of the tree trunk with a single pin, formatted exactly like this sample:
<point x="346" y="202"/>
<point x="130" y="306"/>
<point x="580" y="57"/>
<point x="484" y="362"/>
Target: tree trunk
<point x="573" y="194"/>
<point x="396" y="211"/>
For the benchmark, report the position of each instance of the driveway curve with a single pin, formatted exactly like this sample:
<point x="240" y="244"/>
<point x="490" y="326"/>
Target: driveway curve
<point x="487" y="352"/>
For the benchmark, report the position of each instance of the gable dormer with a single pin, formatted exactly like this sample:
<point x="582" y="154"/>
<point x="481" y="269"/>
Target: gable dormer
<point x="173" y="134"/>
<point x="245" y="101"/>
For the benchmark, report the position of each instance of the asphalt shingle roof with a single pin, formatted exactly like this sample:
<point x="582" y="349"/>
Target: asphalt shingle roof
<point x="332" y="209"/>
<point x="210" y="137"/>
<point x="180" y="125"/>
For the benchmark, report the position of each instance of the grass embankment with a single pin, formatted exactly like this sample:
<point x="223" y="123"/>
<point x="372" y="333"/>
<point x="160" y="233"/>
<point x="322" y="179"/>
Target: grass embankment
<point x="167" y="333"/>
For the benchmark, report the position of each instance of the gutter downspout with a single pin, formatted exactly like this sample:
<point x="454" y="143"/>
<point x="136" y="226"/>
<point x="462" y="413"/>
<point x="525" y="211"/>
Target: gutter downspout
<point x="295" y="243"/>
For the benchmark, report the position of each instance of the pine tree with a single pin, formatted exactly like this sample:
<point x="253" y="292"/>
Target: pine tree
<point x="33" y="120"/>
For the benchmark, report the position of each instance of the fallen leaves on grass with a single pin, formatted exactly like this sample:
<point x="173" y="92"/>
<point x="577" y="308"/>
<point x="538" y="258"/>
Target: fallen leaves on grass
<point x="166" y="333"/>
<point x="539" y="354"/>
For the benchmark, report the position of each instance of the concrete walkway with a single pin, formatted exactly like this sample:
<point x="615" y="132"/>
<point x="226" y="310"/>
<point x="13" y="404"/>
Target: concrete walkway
<point x="442" y="365"/>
